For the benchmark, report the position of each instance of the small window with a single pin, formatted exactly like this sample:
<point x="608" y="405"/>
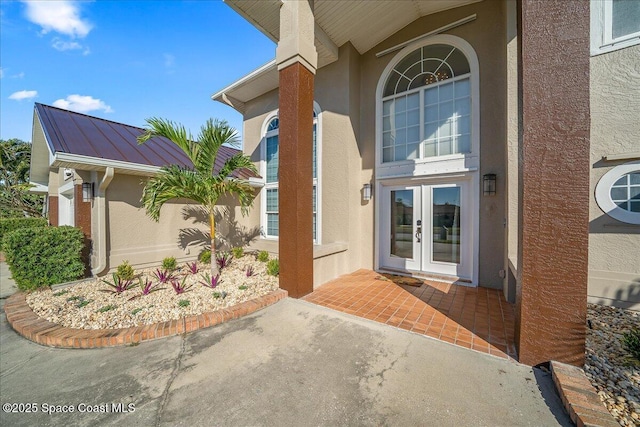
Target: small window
<point x="625" y="18"/>
<point x="618" y="193"/>
<point x="270" y="216"/>
<point x="625" y="192"/>
<point x="615" y="24"/>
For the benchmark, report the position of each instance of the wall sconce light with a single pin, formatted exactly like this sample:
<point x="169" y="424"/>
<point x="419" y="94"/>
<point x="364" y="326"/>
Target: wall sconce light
<point x="87" y="191"/>
<point x="366" y="192"/>
<point x="489" y="184"/>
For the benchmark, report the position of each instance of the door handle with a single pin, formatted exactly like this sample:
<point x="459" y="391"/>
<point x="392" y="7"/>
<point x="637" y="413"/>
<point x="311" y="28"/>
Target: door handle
<point x="418" y="234"/>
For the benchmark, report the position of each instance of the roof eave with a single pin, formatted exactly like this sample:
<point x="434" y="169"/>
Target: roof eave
<point x="228" y="94"/>
<point x="252" y="21"/>
<point x="76" y="161"/>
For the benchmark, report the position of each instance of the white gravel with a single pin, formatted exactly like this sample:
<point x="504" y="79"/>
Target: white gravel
<point x="86" y="306"/>
<point x="609" y="367"/>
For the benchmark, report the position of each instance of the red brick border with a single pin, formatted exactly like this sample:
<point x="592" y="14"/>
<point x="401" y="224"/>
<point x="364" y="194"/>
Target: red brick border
<point x="28" y="324"/>
<point x="580" y="398"/>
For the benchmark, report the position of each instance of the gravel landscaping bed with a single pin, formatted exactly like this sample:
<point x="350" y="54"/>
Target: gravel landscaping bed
<point x="87" y="306"/>
<point x="609" y="366"/>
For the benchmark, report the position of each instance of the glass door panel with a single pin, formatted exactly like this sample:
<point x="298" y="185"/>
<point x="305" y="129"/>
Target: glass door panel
<point x="427" y="228"/>
<point x="402" y="214"/>
<point x="445" y="216"/>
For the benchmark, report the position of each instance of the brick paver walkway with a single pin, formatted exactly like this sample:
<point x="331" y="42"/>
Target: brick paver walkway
<point x="475" y="318"/>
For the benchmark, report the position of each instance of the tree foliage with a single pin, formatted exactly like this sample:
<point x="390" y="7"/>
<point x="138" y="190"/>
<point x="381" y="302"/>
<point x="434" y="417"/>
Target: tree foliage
<point x="15" y="198"/>
<point x="201" y="183"/>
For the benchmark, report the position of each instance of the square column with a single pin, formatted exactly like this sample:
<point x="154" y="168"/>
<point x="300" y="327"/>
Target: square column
<point x="53" y="211"/>
<point x="297" y="58"/>
<point x="553" y="198"/>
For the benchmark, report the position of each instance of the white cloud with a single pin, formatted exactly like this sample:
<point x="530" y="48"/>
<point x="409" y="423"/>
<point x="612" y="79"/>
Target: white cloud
<point x="3" y="74"/>
<point x="61" y="16"/>
<point x="82" y="104"/>
<point x="62" y="45"/>
<point x="23" y="94"/>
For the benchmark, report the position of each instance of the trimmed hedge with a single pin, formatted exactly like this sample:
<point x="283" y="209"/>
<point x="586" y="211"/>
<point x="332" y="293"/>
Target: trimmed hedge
<point x="44" y="256"/>
<point x="10" y="224"/>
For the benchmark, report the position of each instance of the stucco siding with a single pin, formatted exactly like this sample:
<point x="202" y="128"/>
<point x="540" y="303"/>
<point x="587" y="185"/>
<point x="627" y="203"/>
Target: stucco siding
<point x="341" y="243"/>
<point x="135" y="237"/>
<point x="614" y="247"/>
<point x="345" y="91"/>
<point x="487" y="36"/>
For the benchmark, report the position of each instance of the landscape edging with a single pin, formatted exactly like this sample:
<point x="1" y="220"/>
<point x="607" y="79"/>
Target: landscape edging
<point x="34" y="328"/>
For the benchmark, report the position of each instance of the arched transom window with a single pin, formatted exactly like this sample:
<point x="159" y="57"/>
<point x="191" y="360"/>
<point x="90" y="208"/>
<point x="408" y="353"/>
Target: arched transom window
<point x="270" y="224"/>
<point x="426" y="105"/>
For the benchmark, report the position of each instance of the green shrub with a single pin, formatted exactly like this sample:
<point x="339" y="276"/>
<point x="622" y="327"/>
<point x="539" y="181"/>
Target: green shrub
<point x="631" y="342"/>
<point x="237" y="252"/>
<point x="263" y="256"/>
<point x="44" y="256"/>
<point x="184" y="303"/>
<point x="125" y="271"/>
<point x="169" y="263"/>
<point x="273" y="267"/>
<point x="11" y="224"/>
<point x="205" y="257"/>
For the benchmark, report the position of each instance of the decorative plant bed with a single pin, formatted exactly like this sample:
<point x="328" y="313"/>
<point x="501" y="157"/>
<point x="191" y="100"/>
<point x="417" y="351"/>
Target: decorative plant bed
<point x="188" y="292"/>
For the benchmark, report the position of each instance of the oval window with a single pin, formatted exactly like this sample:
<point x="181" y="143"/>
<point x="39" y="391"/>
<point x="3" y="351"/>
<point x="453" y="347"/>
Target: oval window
<point x="618" y="193"/>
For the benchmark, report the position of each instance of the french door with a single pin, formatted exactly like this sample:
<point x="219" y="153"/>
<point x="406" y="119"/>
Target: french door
<point x="427" y="228"/>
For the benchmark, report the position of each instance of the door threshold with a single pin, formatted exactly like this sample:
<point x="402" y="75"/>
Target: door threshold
<point x="452" y="280"/>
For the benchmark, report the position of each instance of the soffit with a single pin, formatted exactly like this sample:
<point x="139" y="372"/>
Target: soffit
<point x="364" y="23"/>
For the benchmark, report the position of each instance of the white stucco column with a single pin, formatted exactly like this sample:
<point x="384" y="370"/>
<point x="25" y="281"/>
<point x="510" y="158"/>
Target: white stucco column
<point x="297" y="37"/>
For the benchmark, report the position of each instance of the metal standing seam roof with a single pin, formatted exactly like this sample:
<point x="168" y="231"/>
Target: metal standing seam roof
<point x="75" y="133"/>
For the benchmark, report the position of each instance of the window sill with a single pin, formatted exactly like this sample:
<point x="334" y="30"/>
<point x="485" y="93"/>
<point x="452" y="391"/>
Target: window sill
<point x="611" y="47"/>
<point x="326" y="249"/>
<point x="319" y="251"/>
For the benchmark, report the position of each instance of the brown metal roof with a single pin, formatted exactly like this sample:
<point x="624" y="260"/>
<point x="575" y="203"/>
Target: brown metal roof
<point x="80" y="134"/>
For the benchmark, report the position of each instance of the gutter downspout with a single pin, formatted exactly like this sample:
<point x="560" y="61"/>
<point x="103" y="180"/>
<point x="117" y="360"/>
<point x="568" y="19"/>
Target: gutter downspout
<point x="101" y="244"/>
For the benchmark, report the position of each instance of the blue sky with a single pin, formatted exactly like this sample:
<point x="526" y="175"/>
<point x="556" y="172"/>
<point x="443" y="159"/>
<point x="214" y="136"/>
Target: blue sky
<point x="123" y="60"/>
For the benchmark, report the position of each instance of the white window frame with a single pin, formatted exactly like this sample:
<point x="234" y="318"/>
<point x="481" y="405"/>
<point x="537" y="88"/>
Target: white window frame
<point x="602" y="40"/>
<point x="603" y="193"/>
<point x="459" y="162"/>
<point x="317" y="181"/>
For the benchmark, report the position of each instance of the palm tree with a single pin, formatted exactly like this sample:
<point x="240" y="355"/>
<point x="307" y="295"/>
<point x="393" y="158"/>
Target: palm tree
<point x="202" y="183"/>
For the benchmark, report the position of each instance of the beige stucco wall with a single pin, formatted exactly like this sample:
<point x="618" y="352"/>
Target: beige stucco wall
<point x="487" y="36"/>
<point x="133" y="236"/>
<point x="343" y="215"/>
<point x="614" y="247"/>
<point x="345" y="91"/>
<point x="511" y="207"/>
<point x="54" y="182"/>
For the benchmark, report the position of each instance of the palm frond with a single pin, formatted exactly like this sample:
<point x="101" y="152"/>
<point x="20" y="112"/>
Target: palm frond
<point x="174" y="182"/>
<point x="201" y="184"/>
<point x="173" y="131"/>
<point x="242" y="191"/>
<point x="235" y="163"/>
<point x="213" y="134"/>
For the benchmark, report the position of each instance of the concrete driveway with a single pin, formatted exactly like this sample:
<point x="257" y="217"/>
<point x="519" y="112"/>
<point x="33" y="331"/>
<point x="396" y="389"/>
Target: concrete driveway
<point x="7" y="285"/>
<point x="291" y="364"/>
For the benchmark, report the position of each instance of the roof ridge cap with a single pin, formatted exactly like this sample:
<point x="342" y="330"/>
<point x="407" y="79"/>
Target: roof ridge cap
<point x="89" y="116"/>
